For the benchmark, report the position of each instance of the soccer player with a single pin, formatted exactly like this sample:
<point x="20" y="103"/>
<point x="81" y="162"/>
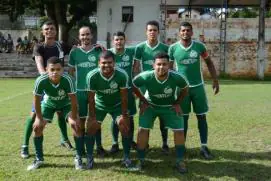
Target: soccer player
<point x="41" y="53"/>
<point x="124" y="58"/>
<point x="186" y="53"/>
<point x="83" y="59"/>
<point x="144" y="56"/>
<point x="108" y="93"/>
<point x="162" y="85"/>
<point x="59" y="96"/>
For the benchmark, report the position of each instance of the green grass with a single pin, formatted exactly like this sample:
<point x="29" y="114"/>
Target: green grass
<point x="239" y="136"/>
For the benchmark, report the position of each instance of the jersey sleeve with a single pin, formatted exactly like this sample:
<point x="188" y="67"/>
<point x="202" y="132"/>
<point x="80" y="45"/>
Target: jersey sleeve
<point x="36" y="51"/>
<point x="139" y="80"/>
<point x="90" y="82"/>
<point x="203" y="51"/>
<point x="170" y="53"/>
<point x="70" y="84"/>
<point x="39" y="86"/>
<point x="181" y="80"/>
<point x="71" y="58"/>
<point x="138" y="53"/>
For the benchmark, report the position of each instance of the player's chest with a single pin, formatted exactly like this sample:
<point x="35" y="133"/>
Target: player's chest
<point x="186" y="57"/>
<point x="86" y="60"/>
<point x="125" y="61"/>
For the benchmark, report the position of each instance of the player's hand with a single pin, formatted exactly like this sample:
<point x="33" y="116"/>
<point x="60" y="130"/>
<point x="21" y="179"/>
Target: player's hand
<point x="98" y="46"/>
<point x="38" y="124"/>
<point x="123" y="124"/>
<point x="143" y="106"/>
<point x="75" y="124"/>
<point x="92" y="126"/>
<point x="215" y="86"/>
<point x="177" y="109"/>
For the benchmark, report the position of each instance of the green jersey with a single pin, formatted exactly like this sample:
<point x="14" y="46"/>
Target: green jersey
<point x="160" y="93"/>
<point x="83" y="62"/>
<point x="107" y="90"/>
<point x="56" y="96"/>
<point x="125" y="61"/>
<point x="145" y="54"/>
<point x="188" y="61"/>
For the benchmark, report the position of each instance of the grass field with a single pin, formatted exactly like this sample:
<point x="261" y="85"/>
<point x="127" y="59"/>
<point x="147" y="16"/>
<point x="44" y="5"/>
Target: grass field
<point x="239" y="136"/>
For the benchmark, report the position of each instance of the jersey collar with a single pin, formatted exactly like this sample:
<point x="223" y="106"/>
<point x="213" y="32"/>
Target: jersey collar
<point x="158" y="43"/>
<point x="114" y="51"/>
<point x="161" y="82"/>
<point x="85" y="50"/>
<point x="107" y="79"/>
<point x="192" y="42"/>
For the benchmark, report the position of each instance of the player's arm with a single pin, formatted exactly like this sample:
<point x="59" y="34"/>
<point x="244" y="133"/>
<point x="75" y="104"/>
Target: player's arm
<point x="71" y="63"/>
<point x="37" y="106"/>
<point x="140" y="96"/>
<point x="74" y="108"/>
<point x="40" y="65"/>
<point x="212" y="71"/>
<point x="136" y="67"/>
<point x="181" y="96"/>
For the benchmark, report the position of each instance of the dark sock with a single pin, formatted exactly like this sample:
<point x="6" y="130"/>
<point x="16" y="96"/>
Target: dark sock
<point x="179" y="152"/>
<point x="203" y="130"/>
<point x="115" y="132"/>
<point x="63" y="128"/>
<point x="185" y="121"/>
<point x="164" y="132"/>
<point x="28" y="130"/>
<point x="98" y="138"/>
<point x="79" y="145"/>
<point x="38" y="141"/>
<point x="89" y="141"/>
<point x="126" y="143"/>
<point x="132" y="127"/>
<point x="141" y="154"/>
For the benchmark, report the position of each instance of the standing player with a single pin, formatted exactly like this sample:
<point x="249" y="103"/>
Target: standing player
<point x="82" y="60"/>
<point x="124" y="58"/>
<point x="108" y="93"/>
<point x="186" y="54"/>
<point x="41" y="53"/>
<point x="144" y="56"/>
<point x="60" y="96"/>
<point x="161" y="84"/>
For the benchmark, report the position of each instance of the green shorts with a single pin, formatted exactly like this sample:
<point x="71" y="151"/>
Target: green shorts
<point x="100" y="114"/>
<point x="48" y="113"/>
<point x="196" y="96"/>
<point x="131" y="103"/>
<point x="82" y="99"/>
<point x="167" y="114"/>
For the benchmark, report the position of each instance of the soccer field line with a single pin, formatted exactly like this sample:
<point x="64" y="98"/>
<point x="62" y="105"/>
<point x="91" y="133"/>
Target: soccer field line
<point x="12" y="97"/>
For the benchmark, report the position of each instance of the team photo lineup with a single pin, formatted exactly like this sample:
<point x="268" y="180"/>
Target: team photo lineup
<point x="151" y="79"/>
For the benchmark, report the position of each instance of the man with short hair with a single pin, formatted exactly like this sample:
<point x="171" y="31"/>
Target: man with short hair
<point x="187" y="55"/>
<point x="162" y="85"/>
<point x="59" y="91"/>
<point x="107" y="93"/>
<point x="144" y="56"/>
<point x="124" y="57"/>
<point x="41" y="53"/>
<point x="82" y="60"/>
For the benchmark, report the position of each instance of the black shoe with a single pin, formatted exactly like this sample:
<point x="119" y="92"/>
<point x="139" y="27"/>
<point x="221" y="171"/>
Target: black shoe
<point x="205" y="153"/>
<point x="181" y="168"/>
<point x="24" y="152"/>
<point x="101" y="152"/>
<point x="139" y="165"/>
<point x="114" y="149"/>
<point x="67" y="144"/>
<point x="133" y="145"/>
<point x="165" y="149"/>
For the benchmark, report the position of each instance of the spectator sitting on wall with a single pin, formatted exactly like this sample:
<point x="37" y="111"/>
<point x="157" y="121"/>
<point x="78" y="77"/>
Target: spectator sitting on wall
<point x="19" y="45"/>
<point x="26" y="47"/>
<point x="9" y="44"/>
<point x="2" y="42"/>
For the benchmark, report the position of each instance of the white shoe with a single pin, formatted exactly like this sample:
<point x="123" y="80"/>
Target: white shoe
<point x="35" y="165"/>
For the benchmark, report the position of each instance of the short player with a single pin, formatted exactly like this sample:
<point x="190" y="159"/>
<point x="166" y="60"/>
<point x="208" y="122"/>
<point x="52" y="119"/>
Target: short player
<point x="60" y="96"/>
<point x="162" y="85"/>
<point x="144" y="58"/>
<point x="187" y="55"/>
<point x="124" y="57"/>
<point x="108" y="93"/>
<point x="41" y="53"/>
<point x="83" y="59"/>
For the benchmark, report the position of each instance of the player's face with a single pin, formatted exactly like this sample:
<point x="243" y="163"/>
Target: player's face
<point x="85" y="36"/>
<point x="49" y="31"/>
<point x="119" y="42"/>
<point x="107" y="66"/>
<point x="185" y="33"/>
<point x="161" y="67"/>
<point x="55" y="71"/>
<point x="152" y="32"/>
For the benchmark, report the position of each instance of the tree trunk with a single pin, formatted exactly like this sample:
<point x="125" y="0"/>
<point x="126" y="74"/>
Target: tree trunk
<point x="60" y="13"/>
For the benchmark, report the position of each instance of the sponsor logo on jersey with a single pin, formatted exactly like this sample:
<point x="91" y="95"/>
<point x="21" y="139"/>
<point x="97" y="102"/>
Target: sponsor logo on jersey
<point x="113" y="85"/>
<point x="193" y="54"/>
<point x="113" y="88"/>
<point x="61" y="95"/>
<point x="189" y="61"/>
<point x="167" y="93"/>
<point x="123" y="64"/>
<point x="168" y="90"/>
<point x="92" y="58"/>
<point x="61" y="92"/>
<point x="86" y="65"/>
<point x="125" y="58"/>
<point x="148" y="62"/>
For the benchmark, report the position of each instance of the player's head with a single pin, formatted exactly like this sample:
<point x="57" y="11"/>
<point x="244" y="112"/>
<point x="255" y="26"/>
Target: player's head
<point x="119" y="40"/>
<point x="185" y="31"/>
<point x="49" y="30"/>
<point x="152" y="30"/>
<point x="85" y="35"/>
<point x="161" y="64"/>
<point x="107" y="63"/>
<point x="54" y="69"/>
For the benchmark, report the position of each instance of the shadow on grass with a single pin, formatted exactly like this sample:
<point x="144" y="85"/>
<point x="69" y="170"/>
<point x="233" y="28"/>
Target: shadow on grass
<point x="239" y="82"/>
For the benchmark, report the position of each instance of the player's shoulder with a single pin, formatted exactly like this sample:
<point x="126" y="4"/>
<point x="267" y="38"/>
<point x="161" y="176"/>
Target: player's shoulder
<point x="147" y="74"/>
<point x="42" y="78"/>
<point x="130" y="49"/>
<point x="176" y="74"/>
<point x="67" y="77"/>
<point x="163" y="45"/>
<point x="141" y="44"/>
<point x="174" y="45"/>
<point x="93" y="72"/>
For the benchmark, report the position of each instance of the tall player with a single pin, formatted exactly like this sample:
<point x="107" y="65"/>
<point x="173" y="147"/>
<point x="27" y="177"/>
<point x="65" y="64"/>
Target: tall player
<point x="124" y="58"/>
<point x="41" y="53"/>
<point x="108" y="93"/>
<point x="162" y="85"/>
<point x="82" y="60"/>
<point x="187" y="55"/>
<point x="144" y="56"/>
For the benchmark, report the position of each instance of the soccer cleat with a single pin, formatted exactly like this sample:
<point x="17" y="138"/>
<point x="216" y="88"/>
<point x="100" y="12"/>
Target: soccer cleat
<point x="181" y="168"/>
<point x="78" y="163"/>
<point x="35" y="165"/>
<point x="114" y="149"/>
<point x="133" y="145"/>
<point x="127" y="163"/>
<point x="90" y="163"/>
<point x="139" y="165"/>
<point x="165" y="149"/>
<point x="67" y="144"/>
<point x="101" y="152"/>
<point x="205" y="153"/>
<point x="24" y="152"/>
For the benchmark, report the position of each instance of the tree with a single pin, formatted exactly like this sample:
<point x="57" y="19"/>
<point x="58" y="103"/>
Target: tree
<point x="65" y="13"/>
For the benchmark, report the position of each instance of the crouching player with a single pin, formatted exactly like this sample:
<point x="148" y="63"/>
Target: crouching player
<point x="108" y="93"/>
<point x="59" y="97"/>
<point x="161" y="84"/>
